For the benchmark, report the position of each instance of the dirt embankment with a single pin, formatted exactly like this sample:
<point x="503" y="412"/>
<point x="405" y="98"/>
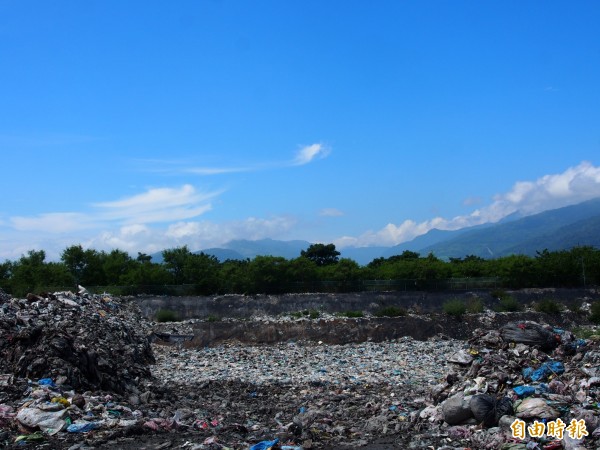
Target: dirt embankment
<point x="241" y="306"/>
<point x="219" y="319"/>
<point x="341" y="331"/>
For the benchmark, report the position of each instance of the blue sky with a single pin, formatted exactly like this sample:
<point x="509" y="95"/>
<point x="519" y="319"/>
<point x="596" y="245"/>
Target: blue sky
<point x="149" y="125"/>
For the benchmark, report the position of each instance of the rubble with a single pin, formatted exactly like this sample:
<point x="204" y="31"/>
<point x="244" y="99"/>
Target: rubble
<point x="80" y="340"/>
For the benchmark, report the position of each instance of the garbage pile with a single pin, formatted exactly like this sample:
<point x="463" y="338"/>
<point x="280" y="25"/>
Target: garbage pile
<point x="291" y="396"/>
<point x="524" y="386"/>
<point x="80" y="340"/>
<point x="79" y="370"/>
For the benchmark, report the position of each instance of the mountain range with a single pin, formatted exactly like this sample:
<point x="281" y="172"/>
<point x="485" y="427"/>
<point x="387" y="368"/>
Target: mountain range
<point x="556" y="229"/>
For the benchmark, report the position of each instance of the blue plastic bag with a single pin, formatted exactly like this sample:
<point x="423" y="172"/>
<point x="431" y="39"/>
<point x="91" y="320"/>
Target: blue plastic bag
<point x="544" y="371"/>
<point x="524" y="391"/>
<point x="264" y="445"/>
<point x="46" y="382"/>
<point x="82" y="427"/>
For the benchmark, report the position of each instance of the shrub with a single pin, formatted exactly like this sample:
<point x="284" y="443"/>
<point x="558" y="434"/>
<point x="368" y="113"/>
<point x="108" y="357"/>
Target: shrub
<point x="595" y="312"/>
<point x="455" y="307"/>
<point x="575" y="305"/>
<point x="498" y="293"/>
<point x="474" y="305"/>
<point x="314" y="314"/>
<point x="584" y="332"/>
<point x="548" y="306"/>
<point x="167" y="315"/>
<point x="390" y="311"/>
<point x="309" y="313"/>
<point x="508" y="304"/>
<point x="353" y="314"/>
<point x="211" y="318"/>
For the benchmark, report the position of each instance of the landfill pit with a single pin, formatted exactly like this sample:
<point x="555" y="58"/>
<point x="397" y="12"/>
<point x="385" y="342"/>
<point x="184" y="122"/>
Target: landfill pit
<point x="292" y="394"/>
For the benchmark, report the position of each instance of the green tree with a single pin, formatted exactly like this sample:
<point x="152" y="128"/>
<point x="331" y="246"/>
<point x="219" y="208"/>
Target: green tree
<point x="5" y="275"/>
<point x="321" y="254"/>
<point x="175" y="260"/>
<point x="203" y="271"/>
<point x="85" y="266"/>
<point x="143" y="258"/>
<point x="32" y="274"/>
<point x="346" y="272"/>
<point x="28" y="273"/>
<point x="234" y="277"/>
<point x="268" y="274"/>
<point x="116" y="266"/>
<point x="470" y="266"/>
<point x="516" y="271"/>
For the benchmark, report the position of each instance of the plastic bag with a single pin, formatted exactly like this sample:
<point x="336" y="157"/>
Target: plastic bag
<point x="488" y="409"/>
<point x="265" y="445"/>
<point x="456" y="409"/>
<point x="50" y="422"/>
<point x="536" y="408"/>
<point x="529" y="333"/>
<point x="544" y="371"/>
<point x="524" y="391"/>
<point x="82" y="427"/>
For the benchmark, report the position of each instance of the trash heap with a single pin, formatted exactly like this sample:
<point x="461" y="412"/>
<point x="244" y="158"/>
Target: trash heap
<point x="80" y="340"/>
<point x="524" y="386"/>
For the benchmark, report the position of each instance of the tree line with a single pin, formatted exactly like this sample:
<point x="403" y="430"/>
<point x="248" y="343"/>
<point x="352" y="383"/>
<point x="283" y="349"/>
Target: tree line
<point x="318" y="268"/>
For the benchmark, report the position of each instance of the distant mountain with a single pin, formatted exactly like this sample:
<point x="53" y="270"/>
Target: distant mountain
<point x="555" y="229"/>
<point x="425" y="240"/>
<point x="222" y="254"/>
<point x="243" y="248"/>
<point x="583" y="232"/>
<point x="363" y="255"/>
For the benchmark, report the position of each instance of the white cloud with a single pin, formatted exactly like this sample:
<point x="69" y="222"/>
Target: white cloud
<point x="52" y="222"/>
<point x="308" y="153"/>
<point x="196" y="235"/>
<point x="168" y="217"/>
<point x="304" y="156"/>
<point x="135" y="230"/>
<point x="574" y="185"/>
<point x="158" y="205"/>
<point x="470" y="201"/>
<point x="154" y="205"/>
<point x="392" y="234"/>
<point x="218" y="170"/>
<point x="116" y="224"/>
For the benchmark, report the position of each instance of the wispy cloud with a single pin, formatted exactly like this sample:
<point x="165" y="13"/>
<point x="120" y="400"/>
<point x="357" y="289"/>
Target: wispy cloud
<point x="53" y="222"/>
<point x="574" y="185"/>
<point x="331" y="212"/>
<point x="309" y="153"/>
<point x="158" y="205"/>
<point x="303" y="156"/>
<point x="195" y="234"/>
<point x="218" y="170"/>
<point x="148" y="222"/>
<point x="470" y="201"/>
<point x="153" y="206"/>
